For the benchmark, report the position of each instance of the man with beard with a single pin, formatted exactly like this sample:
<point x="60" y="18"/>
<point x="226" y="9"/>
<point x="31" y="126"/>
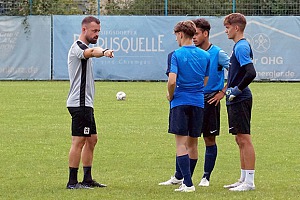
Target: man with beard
<point x="80" y="102"/>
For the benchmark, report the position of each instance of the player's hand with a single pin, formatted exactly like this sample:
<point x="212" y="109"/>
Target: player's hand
<point x="168" y="97"/>
<point x="109" y="53"/>
<point x="217" y="98"/>
<point x="231" y="93"/>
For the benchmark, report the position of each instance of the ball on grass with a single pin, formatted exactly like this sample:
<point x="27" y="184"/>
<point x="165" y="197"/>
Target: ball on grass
<point x="121" y="96"/>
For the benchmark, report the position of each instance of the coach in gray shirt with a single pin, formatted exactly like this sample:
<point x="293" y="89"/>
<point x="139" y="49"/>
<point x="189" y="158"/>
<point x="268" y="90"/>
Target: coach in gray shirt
<point x="80" y="102"/>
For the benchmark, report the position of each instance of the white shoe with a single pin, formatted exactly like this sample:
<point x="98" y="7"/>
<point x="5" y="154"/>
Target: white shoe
<point x="233" y="185"/>
<point x="243" y="187"/>
<point x="204" y="182"/>
<point x="184" y="188"/>
<point x="173" y="181"/>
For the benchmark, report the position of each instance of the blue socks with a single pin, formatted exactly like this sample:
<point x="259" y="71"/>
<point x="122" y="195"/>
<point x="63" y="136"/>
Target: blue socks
<point x="184" y="165"/>
<point x="193" y="163"/>
<point x="210" y="160"/>
<point x="178" y="174"/>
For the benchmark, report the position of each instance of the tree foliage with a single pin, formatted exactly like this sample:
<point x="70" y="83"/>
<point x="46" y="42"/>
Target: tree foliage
<point x="202" y="7"/>
<point x="150" y="7"/>
<point x="48" y="7"/>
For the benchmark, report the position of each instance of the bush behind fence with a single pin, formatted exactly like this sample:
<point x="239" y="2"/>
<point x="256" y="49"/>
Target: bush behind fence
<point x="150" y="7"/>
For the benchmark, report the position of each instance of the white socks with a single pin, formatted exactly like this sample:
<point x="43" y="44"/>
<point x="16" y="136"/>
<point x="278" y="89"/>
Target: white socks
<point x="250" y="177"/>
<point x="243" y="175"/>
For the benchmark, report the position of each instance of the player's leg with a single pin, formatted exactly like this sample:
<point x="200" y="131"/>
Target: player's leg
<point x="176" y="118"/>
<point x="179" y="125"/>
<point x="88" y="149"/>
<point x="87" y="157"/>
<point x="78" y="141"/>
<point x="243" y="139"/>
<point x="211" y="128"/>
<point x="211" y="152"/>
<point x="247" y="156"/>
<point x="74" y="158"/>
<point x="184" y="164"/>
<point x="192" y="145"/>
<point x="194" y="125"/>
<point x="233" y="112"/>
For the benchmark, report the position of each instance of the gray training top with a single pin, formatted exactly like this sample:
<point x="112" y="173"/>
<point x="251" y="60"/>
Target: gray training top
<point x="82" y="88"/>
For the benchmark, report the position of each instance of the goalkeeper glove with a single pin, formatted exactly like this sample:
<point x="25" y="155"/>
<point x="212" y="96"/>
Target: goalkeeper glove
<point x="231" y="93"/>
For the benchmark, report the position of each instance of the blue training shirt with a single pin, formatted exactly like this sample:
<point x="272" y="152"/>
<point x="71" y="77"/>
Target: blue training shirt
<point x="241" y="56"/>
<point x="219" y="61"/>
<point x="191" y="65"/>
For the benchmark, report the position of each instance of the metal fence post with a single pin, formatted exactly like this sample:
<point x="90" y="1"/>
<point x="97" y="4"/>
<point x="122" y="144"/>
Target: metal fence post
<point x="30" y="7"/>
<point x="233" y="5"/>
<point x="166" y="7"/>
<point x="98" y="9"/>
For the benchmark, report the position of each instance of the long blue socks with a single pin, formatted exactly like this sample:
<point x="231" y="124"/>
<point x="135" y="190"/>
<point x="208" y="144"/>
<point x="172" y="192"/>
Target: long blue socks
<point x="210" y="160"/>
<point x="184" y="165"/>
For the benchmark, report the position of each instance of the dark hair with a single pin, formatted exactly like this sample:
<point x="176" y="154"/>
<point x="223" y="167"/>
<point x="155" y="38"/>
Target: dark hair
<point x="187" y="27"/>
<point x="236" y="18"/>
<point x="90" y="19"/>
<point x="202" y="24"/>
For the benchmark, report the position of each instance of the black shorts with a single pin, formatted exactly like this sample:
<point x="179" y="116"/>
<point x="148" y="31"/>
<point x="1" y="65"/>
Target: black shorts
<point x="239" y="117"/>
<point x="83" y="121"/>
<point x="186" y="121"/>
<point x="211" y="120"/>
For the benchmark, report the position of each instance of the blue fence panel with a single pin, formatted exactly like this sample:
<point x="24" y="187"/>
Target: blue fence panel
<point x="25" y="44"/>
<point x="141" y="45"/>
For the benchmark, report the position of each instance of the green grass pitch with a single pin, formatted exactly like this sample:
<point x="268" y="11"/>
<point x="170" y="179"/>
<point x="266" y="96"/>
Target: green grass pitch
<point x="134" y="152"/>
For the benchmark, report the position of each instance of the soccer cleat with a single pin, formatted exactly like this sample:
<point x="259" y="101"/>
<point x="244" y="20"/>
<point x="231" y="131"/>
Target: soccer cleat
<point x="233" y="185"/>
<point x="184" y="188"/>
<point x="204" y="182"/>
<point x="93" y="184"/>
<point x="78" y="186"/>
<point x="173" y="181"/>
<point x="243" y="187"/>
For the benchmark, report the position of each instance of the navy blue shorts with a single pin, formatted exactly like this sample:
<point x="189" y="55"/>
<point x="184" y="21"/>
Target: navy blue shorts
<point x="186" y="120"/>
<point x="239" y="117"/>
<point x="211" y="121"/>
<point x="83" y="121"/>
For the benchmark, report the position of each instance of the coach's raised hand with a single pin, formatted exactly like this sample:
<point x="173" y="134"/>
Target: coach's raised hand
<point x="108" y="53"/>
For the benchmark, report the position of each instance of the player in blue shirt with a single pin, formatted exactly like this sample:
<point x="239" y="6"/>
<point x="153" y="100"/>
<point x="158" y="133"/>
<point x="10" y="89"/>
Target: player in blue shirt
<point x="239" y="99"/>
<point x="214" y="91"/>
<point x="187" y="77"/>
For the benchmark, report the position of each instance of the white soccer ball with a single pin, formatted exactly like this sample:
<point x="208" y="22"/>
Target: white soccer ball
<point x="121" y="96"/>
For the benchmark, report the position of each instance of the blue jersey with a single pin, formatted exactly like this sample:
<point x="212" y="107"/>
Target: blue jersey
<point x="241" y="56"/>
<point x="218" y="61"/>
<point x="191" y="65"/>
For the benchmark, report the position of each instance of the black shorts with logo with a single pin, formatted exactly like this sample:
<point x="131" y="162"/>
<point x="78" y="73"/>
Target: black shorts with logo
<point x="83" y="121"/>
<point x="211" y="121"/>
<point x="186" y="120"/>
<point x="239" y="117"/>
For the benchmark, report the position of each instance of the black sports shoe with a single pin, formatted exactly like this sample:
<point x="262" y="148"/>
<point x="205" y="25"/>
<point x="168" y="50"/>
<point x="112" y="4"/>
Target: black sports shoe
<point x="93" y="184"/>
<point x="78" y="186"/>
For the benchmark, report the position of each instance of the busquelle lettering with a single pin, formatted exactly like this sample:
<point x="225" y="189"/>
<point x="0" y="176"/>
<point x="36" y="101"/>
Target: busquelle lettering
<point x="133" y="44"/>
